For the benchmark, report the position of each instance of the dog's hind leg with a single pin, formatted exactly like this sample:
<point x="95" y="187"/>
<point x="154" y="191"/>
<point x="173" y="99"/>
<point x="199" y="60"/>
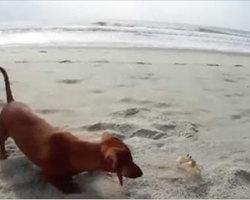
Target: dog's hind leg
<point x="3" y="137"/>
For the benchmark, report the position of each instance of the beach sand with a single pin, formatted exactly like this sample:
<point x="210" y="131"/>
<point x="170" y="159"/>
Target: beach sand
<point x="163" y="103"/>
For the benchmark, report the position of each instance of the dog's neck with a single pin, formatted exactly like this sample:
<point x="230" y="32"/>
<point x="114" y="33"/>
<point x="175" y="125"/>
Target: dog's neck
<point x="88" y="156"/>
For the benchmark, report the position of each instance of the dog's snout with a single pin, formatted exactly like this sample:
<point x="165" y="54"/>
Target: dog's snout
<point x="133" y="171"/>
<point x="138" y="173"/>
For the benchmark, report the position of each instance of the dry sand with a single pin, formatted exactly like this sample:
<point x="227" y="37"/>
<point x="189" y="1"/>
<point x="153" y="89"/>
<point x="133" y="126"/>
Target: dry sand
<point x="162" y="103"/>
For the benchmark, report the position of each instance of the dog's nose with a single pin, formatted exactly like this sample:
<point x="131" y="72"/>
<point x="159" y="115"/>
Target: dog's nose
<point x="136" y="172"/>
<point x="140" y="173"/>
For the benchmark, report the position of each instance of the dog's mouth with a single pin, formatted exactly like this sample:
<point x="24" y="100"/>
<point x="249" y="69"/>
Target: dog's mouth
<point x="136" y="175"/>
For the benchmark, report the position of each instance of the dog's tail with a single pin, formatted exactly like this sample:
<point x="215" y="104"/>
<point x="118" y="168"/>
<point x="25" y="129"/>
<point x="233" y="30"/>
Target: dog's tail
<point x="7" y="85"/>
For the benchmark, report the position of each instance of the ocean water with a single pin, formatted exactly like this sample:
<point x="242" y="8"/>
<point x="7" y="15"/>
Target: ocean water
<point x="128" y="34"/>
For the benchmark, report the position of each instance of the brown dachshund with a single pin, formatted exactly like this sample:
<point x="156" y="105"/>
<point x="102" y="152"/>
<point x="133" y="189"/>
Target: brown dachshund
<point x="60" y="154"/>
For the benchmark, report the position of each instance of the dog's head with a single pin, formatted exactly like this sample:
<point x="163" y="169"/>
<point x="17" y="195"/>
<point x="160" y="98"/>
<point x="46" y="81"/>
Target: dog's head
<point x="116" y="152"/>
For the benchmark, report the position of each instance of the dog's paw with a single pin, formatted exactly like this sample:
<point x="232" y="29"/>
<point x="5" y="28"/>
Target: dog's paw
<point x="3" y="156"/>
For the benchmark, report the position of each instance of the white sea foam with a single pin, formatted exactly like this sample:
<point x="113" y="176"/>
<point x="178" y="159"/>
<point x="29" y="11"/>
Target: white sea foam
<point x="150" y="35"/>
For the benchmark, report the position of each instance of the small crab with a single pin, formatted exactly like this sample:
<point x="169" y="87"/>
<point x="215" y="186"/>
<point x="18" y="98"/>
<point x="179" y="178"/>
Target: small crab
<point x="187" y="165"/>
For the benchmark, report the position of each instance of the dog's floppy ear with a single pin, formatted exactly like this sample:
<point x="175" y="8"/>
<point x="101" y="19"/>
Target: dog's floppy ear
<point x="118" y="157"/>
<point x="106" y="136"/>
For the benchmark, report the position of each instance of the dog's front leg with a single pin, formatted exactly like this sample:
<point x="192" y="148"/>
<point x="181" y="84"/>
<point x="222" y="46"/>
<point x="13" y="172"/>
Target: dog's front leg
<point x="63" y="183"/>
<point x="3" y="138"/>
<point x="3" y="154"/>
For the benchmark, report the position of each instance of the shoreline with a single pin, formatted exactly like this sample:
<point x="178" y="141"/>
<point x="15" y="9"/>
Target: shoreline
<point x="162" y="49"/>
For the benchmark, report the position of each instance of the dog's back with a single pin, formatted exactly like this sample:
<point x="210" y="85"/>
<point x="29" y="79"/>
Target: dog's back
<point x="26" y="128"/>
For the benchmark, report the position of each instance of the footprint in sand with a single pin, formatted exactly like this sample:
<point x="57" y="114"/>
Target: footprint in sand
<point x="173" y="113"/>
<point x="51" y="111"/>
<point x="230" y="80"/>
<point x="179" y="129"/>
<point x="147" y="76"/>
<point x="181" y="64"/>
<point x="47" y="111"/>
<point x="22" y="61"/>
<point x="101" y="61"/>
<point x="243" y="175"/>
<point x="111" y="126"/>
<point x="238" y="65"/>
<point x="213" y="65"/>
<point x="215" y="89"/>
<point x="199" y="190"/>
<point x="129" y="112"/>
<point x="128" y="100"/>
<point x="70" y="81"/>
<point x="162" y="105"/>
<point x="144" y="102"/>
<point x="183" y="129"/>
<point x="235" y="95"/>
<point x="135" y="101"/>
<point x="129" y="85"/>
<point x="146" y="133"/>
<point x="245" y="114"/>
<point x="96" y="91"/>
<point x="143" y="63"/>
<point x="164" y="127"/>
<point x="65" y="61"/>
<point x="120" y="130"/>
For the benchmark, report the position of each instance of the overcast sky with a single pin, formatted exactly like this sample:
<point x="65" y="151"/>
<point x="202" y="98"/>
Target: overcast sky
<point x="230" y="14"/>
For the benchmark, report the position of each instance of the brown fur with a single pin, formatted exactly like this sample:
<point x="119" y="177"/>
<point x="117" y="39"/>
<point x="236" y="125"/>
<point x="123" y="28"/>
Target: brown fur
<point x="58" y="153"/>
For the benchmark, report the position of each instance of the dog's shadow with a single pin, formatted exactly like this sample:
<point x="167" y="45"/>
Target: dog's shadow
<point x="21" y="179"/>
